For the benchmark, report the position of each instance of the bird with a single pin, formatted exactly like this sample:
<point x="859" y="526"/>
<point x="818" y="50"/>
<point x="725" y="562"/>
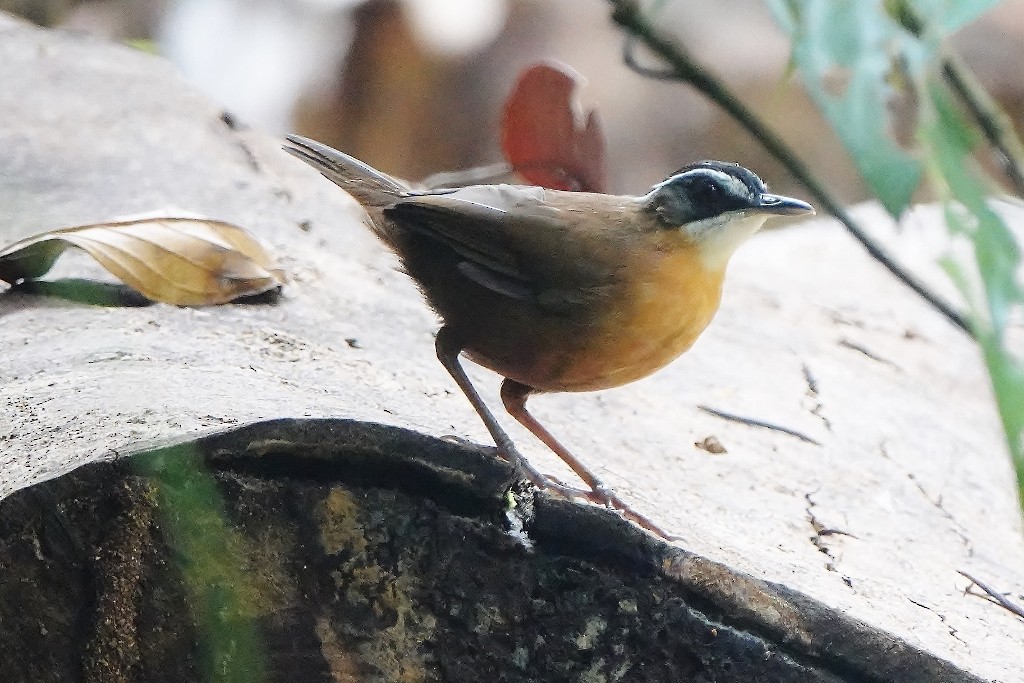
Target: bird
<point x="561" y="291"/>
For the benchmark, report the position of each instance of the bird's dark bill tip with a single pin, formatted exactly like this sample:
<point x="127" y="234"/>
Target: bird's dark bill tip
<point x="784" y="206"/>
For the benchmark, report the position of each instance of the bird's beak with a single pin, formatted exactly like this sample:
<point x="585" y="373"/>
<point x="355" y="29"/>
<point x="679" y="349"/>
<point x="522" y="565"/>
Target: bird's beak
<point x="778" y="205"/>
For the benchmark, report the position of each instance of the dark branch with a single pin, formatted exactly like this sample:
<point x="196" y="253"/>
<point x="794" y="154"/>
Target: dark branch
<point x="629" y="58"/>
<point x="991" y="119"/>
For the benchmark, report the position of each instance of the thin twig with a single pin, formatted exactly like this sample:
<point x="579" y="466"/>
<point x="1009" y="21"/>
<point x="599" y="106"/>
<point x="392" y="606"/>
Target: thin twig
<point x="995" y="595"/>
<point x="628" y="15"/>
<point x="629" y="58"/>
<point x="753" y="422"/>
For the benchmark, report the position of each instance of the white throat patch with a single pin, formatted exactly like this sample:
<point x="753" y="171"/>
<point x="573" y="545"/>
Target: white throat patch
<point x="718" y="238"/>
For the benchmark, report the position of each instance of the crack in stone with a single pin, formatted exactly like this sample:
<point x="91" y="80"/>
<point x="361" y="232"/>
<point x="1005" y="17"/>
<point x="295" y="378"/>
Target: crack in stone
<point x="868" y="353"/>
<point x="953" y="632"/>
<point x="956" y="527"/>
<point x="822" y="531"/>
<point x="812" y="381"/>
<point x="250" y="156"/>
<point x="812" y="394"/>
<point x="233" y="125"/>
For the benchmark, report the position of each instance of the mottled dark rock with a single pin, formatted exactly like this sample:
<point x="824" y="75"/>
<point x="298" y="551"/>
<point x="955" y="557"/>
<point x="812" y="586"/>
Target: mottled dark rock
<point x="325" y="550"/>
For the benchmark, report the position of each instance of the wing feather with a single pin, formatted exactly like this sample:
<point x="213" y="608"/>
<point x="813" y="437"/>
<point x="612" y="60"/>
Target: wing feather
<point x="511" y="240"/>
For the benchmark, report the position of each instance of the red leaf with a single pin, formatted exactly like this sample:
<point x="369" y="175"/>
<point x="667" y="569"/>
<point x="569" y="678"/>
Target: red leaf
<point x="546" y="135"/>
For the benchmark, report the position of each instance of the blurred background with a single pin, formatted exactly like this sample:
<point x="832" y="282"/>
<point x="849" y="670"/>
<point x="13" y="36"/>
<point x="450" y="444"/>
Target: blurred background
<point x="416" y="87"/>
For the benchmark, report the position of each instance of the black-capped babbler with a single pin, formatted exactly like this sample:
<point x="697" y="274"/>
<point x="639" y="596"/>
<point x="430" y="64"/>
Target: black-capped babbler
<point x="562" y="291"/>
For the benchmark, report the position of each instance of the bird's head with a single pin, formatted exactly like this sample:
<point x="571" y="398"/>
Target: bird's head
<point x="717" y="206"/>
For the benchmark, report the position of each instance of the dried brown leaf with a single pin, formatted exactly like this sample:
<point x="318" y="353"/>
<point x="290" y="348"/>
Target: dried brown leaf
<point x="546" y="135"/>
<point x="183" y="261"/>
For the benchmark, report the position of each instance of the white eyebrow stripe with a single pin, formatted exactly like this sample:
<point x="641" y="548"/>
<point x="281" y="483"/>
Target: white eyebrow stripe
<point x="718" y="175"/>
<point x="736" y="185"/>
<point x="730" y="181"/>
<point x="725" y="179"/>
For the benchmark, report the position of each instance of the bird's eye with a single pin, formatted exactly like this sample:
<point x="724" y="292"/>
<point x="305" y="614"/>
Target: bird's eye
<point x="707" y="192"/>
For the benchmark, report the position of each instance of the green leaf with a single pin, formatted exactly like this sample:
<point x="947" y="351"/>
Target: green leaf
<point x="786" y="13"/>
<point x="144" y="45"/>
<point x="950" y="142"/>
<point x="947" y="142"/>
<point x="847" y="52"/>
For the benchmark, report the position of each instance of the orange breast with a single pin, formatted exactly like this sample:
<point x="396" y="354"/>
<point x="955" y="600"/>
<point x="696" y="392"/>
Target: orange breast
<point x="669" y="300"/>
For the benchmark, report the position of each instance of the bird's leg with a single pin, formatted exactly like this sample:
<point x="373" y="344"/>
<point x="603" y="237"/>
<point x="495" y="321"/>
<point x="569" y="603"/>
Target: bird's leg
<point x="514" y="395"/>
<point x="448" y="349"/>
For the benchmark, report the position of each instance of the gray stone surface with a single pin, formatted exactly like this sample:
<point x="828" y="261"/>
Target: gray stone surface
<point x="911" y="468"/>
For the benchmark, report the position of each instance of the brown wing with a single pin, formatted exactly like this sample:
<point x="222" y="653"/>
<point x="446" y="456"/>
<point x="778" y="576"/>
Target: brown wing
<point x="516" y="241"/>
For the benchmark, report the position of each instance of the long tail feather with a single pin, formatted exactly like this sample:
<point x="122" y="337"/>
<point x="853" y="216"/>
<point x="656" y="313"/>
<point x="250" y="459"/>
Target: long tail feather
<point x="367" y="185"/>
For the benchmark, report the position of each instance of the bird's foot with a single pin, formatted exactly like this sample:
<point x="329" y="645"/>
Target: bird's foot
<point x="600" y="494"/>
<point x="607" y="497"/>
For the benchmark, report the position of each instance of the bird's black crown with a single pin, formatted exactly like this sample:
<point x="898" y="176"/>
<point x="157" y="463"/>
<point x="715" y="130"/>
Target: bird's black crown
<point x="704" y="190"/>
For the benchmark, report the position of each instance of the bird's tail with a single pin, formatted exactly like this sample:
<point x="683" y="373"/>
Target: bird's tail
<point x="367" y="185"/>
